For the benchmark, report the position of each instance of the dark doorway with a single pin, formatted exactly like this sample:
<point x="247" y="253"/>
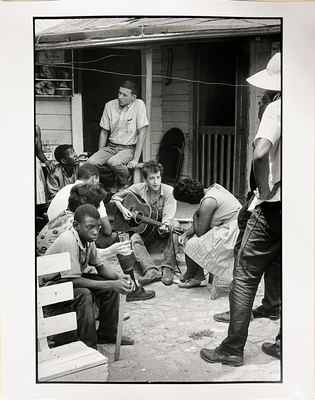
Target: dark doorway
<point x="102" y="72"/>
<point x="221" y="104"/>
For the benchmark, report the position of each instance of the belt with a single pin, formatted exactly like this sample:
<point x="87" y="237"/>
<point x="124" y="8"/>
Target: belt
<point x="125" y="146"/>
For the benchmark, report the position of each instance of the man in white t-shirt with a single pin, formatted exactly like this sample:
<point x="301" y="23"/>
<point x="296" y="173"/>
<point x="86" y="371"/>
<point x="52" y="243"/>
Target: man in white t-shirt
<point x="86" y="173"/>
<point x="261" y="242"/>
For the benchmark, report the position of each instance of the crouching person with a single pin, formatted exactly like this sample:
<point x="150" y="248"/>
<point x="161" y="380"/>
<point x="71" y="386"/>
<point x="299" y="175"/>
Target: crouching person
<point x="104" y="285"/>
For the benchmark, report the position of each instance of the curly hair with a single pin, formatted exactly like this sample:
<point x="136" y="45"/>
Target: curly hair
<point x="150" y="167"/>
<point x="61" y="150"/>
<point x="86" y="210"/>
<point x="189" y="191"/>
<point x="86" y="193"/>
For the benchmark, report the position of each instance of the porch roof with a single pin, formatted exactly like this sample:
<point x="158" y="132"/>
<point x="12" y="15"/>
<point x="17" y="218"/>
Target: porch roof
<point x="90" y="32"/>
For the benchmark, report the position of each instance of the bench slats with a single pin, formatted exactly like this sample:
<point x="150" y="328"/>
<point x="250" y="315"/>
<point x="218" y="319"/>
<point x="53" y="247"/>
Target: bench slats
<point x="73" y="361"/>
<point x="54" y="294"/>
<point x="57" y="324"/>
<point x="67" y="359"/>
<point x="53" y="263"/>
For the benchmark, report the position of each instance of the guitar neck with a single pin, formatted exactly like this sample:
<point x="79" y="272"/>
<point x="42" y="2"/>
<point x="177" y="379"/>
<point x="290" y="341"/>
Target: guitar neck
<point x="141" y="218"/>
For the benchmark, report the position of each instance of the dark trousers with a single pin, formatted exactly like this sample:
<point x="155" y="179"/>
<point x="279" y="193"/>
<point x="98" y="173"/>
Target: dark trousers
<point x="272" y="275"/>
<point x="83" y="305"/>
<point x="261" y="244"/>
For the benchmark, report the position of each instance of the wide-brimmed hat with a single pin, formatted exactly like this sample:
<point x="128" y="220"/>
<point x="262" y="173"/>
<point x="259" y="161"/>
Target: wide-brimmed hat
<point x="269" y="78"/>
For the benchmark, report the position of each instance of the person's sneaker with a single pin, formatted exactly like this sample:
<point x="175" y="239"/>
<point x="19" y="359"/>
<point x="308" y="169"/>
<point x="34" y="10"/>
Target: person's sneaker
<point x="218" y="355"/>
<point x="272" y="349"/>
<point x="225" y="317"/>
<point x="167" y="275"/>
<point x="140" y="294"/>
<point x="262" y="312"/>
<point x="103" y="339"/>
<point x="151" y="275"/>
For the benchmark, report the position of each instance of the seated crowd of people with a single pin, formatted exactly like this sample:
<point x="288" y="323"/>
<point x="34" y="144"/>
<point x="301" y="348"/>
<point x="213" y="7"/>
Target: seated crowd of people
<point x="219" y="242"/>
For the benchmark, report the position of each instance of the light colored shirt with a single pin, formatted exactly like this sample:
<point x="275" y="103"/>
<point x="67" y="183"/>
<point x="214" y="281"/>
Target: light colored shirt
<point x="60" y="202"/>
<point x="165" y="202"/>
<point x="80" y="257"/>
<point x="59" y="179"/>
<point x="124" y="123"/>
<point x="270" y="129"/>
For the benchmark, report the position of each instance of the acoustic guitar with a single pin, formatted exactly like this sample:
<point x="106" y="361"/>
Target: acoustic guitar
<point x="144" y="217"/>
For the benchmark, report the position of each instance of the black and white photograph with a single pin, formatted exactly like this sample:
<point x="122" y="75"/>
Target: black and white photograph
<point x="162" y="182"/>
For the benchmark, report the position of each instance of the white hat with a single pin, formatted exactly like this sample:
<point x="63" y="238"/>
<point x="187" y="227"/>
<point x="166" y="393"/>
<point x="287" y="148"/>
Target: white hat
<point x="269" y="78"/>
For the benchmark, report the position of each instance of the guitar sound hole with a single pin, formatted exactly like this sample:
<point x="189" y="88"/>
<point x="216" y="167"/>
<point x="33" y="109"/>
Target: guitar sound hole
<point x="139" y="217"/>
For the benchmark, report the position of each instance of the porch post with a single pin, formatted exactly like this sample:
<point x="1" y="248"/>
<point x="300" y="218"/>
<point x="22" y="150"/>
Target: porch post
<point x="147" y="96"/>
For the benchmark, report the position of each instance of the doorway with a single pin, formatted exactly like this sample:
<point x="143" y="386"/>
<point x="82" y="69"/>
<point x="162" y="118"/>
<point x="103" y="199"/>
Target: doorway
<point x="103" y="70"/>
<point x="220" y="114"/>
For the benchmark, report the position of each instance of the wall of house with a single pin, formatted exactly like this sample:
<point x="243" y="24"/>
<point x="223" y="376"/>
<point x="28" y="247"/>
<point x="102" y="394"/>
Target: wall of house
<point x="177" y="108"/>
<point x="60" y="121"/>
<point x="53" y="115"/>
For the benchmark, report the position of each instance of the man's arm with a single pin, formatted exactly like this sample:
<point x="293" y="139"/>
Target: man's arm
<point x="203" y="215"/>
<point x="103" y="138"/>
<point x="106" y="226"/>
<point x="53" y="183"/>
<point x="261" y="169"/>
<point x="141" y="136"/>
<point x="123" y="286"/>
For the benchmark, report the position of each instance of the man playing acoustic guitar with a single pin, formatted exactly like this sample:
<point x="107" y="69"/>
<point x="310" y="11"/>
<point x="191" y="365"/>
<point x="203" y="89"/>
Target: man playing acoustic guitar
<point x="159" y="196"/>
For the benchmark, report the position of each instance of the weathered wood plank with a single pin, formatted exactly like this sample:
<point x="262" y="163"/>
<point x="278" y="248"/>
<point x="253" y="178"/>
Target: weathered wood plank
<point x="57" y="324"/>
<point x="54" y="294"/>
<point x="176" y="116"/>
<point x="62" y="122"/>
<point x="97" y="373"/>
<point x="49" y="264"/>
<point x="53" y="106"/>
<point x="68" y="362"/>
<point x="56" y="137"/>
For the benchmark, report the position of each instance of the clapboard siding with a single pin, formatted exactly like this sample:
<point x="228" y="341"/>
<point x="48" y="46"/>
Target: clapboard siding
<point x="156" y="114"/>
<point x="53" y="115"/>
<point x="176" y="100"/>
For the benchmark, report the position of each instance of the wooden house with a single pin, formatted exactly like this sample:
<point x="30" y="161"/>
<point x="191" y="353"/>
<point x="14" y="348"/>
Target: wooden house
<point x="192" y="74"/>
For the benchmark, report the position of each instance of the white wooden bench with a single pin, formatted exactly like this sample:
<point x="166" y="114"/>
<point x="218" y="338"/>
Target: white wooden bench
<point x="73" y="361"/>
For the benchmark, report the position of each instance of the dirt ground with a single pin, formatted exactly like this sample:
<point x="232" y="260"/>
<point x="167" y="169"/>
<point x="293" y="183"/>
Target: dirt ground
<point x="170" y="331"/>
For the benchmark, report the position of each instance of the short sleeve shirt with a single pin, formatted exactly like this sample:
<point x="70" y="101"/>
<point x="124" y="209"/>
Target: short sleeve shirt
<point x="270" y="129"/>
<point x="124" y="123"/>
<point x="60" y="202"/>
<point x="81" y="257"/>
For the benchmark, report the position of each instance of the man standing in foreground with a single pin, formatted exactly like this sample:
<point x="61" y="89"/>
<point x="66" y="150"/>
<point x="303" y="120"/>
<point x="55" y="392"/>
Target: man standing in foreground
<point x="262" y="238"/>
<point x="123" y="127"/>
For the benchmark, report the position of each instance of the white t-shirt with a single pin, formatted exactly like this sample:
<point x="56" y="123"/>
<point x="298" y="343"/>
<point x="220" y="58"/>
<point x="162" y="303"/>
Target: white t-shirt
<point x="270" y="129"/>
<point x="60" y="202"/>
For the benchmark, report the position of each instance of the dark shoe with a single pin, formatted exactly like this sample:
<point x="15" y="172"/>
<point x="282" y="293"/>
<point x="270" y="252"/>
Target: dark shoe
<point x="262" y="312"/>
<point x="103" y="339"/>
<point x="225" y="317"/>
<point x="272" y="349"/>
<point x="168" y="276"/>
<point x="140" y="294"/>
<point x="151" y="275"/>
<point x="220" y="356"/>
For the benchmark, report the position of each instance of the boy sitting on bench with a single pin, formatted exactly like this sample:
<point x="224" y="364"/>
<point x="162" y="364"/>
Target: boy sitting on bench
<point x="105" y="285"/>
